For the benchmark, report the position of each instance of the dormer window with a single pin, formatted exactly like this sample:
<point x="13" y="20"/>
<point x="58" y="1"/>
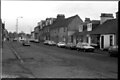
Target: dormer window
<point x="89" y="27"/>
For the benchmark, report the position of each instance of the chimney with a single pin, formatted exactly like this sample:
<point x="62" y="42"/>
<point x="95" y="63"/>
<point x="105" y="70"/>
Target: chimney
<point x="87" y="20"/>
<point x="60" y="16"/>
<point x="116" y="15"/>
<point x="105" y="16"/>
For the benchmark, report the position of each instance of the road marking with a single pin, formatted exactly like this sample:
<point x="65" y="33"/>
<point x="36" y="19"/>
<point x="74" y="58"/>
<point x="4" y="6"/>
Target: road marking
<point x="16" y="54"/>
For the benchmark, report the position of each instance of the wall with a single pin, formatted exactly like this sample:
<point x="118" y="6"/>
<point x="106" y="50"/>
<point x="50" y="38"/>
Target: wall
<point x="107" y="40"/>
<point x="69" y="34"/>
<point x="74" y="24"/>
<point x="103" y="19"/>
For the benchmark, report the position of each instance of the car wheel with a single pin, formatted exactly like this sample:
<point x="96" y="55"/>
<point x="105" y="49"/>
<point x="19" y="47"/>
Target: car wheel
<point x="92" y="50"/>
<point x="84" y="50"/>
<point x="77" y="49"/>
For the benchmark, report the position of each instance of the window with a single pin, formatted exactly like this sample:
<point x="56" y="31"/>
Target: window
<point x="89" y="27"/>
<point x="111" y="40"/>
<point x="80" y="28"/>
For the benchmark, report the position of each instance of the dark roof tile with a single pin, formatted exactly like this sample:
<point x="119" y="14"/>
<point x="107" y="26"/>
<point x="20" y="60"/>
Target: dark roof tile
<point x="63" y="22"/>
<point x="110" y="26"/>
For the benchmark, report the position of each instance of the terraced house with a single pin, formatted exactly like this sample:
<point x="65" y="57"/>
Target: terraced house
<point x="64" y="28"/>
<point x="84" y="33"/>
<point x="107" y="31"/>
<point x="60" y="28"/>
<point x="102" y="33"/>
<point x="44" y="28"/>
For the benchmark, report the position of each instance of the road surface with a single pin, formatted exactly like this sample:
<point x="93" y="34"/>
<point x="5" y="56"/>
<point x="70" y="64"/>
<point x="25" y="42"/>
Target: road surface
<point x="43" y="61"/>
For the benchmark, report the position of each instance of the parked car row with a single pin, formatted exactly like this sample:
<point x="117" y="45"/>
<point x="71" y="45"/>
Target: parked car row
<point x="79" y="46"/>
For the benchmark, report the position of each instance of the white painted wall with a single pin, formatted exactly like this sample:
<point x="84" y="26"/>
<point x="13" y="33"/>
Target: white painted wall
<point x="107" y="40"/>
<point x="89" y="39"/>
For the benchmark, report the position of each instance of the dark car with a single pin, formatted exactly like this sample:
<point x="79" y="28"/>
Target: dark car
<point x="113" y="51"/>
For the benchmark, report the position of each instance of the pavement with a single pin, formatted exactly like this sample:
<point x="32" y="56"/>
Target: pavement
<point x="11" y="66"/>
<point x="7" y="53"/>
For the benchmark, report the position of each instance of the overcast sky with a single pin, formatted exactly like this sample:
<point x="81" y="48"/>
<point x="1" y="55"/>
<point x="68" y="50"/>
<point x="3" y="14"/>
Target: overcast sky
<point x="35" y="11"/>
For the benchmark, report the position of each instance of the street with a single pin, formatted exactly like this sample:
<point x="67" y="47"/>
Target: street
<point x="43" y="61"/>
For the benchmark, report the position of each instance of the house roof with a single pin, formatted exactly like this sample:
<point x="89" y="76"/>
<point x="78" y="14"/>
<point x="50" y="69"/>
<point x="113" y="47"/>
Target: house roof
<point x="110" y="26"/>
<point x="95" y="24"/>
<point x="63" y="22"/>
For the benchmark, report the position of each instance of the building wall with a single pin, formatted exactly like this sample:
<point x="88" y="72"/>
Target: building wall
<point x="69" y="36"/>
<point x="62" y="34"/>
<point x="54" y="34"/>
<point x="74" y="24"/>
<point x="107" y="40"/>
<point x="103" y="19"/>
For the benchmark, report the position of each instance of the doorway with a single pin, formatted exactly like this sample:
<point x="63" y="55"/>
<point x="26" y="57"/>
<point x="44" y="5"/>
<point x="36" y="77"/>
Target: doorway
<point x="102" y="41"/>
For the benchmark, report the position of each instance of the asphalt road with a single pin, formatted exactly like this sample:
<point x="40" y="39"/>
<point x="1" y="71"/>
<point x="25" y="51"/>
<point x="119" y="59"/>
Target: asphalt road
<point x="42" y="61"/>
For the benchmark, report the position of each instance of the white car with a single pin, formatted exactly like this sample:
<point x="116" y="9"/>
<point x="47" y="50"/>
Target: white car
<point x="84" y="46"/>
<point x="36" y="41"/>
<point x="51" y="43"/>
<point x="61" y="44"/>
<point x="46" y="42"/>
<point x="71" y="45"/>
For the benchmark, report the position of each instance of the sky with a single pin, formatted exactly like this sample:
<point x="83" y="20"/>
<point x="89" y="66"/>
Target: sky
<point x="35" y="11"/>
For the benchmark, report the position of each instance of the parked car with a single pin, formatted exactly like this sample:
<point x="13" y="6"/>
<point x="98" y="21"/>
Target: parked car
<point x="71" y="46"/>
<point x="61" y="44"/>
<point x="15" y="39"/>
<point x="84" y="47"/>
<point x="94" y="45"/>
<point x="46" y="42"/>
<point x="51" y="43"/>
<point x="113" y="51"/>
<point x="36" y="41"/>
<point x="32" y="40"/>
<point x="26" y="43"/>
<point x="78" y="45"/>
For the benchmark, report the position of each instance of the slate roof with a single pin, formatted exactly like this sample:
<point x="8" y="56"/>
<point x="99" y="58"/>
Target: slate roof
<point x="95" y="24"/>
<point x="63" y="22"/>
<point x="108" y="27"/>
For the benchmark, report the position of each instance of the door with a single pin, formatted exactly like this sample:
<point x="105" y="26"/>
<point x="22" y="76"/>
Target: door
<point x="102" y="41"/>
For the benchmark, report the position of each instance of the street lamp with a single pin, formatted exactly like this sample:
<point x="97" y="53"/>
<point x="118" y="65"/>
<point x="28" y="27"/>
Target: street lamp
<point x="17" y="25"/>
